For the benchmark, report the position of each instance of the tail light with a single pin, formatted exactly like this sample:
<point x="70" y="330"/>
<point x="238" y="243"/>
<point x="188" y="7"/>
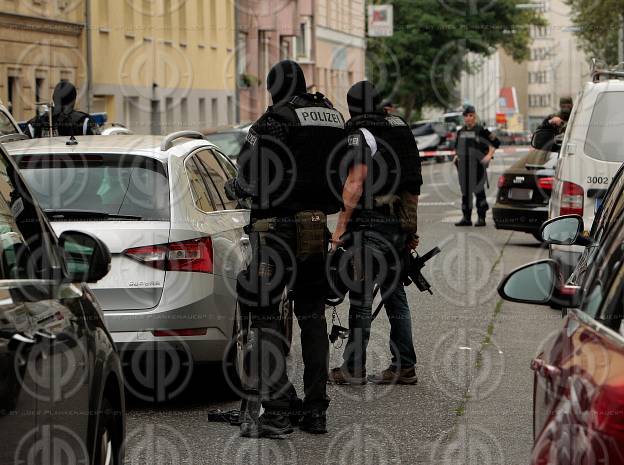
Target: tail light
<point x="450" y="136"/>
<point x="501" y="181"/>
<point x="608" y="410"/>
<point x="545" y="184"/>
<point x="192" y="255"/>
<point x="572" y="198"/>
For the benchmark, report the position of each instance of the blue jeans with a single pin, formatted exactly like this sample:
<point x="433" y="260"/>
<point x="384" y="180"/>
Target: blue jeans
<point x="385" y="243"/>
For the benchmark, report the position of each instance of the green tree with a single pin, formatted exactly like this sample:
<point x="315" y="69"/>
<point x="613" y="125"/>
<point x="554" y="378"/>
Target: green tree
<point x="598" y="22"/>
<point x="421" y="64"/>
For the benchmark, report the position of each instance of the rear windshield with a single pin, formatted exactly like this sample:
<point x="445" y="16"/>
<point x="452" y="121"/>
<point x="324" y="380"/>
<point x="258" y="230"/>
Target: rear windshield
<point x="104" y="186"/>
<point x="423" y="129"/>
<point x="604" y="136"/>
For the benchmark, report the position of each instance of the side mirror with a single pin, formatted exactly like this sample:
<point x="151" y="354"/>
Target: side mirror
<point x="544" y="139"/>
<point x="87" y="258"/>
<point x="539" y="283"/>
<point x="564" y="230"/>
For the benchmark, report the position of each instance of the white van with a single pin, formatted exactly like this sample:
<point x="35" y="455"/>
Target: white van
<point x="591" y="153"/>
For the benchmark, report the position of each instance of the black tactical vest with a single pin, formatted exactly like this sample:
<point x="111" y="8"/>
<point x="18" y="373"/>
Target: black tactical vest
<point x="75" y="123"/>
<point x="396" y="165"/>
<point x="315" y="134"/>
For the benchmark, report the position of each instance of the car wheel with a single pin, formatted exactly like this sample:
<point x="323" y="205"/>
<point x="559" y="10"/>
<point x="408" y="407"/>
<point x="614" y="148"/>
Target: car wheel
<point x="286" y="320"/>
<point x="107" y="446"/>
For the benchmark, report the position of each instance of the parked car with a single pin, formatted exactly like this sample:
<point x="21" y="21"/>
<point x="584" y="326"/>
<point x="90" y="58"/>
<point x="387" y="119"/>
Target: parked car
<point x="591" y="153"/>
<point x="524" y="192"/>
<point x="579" y="391"/>
<point x="177" y="242"/>
<point x="61" y="383"/>
<point x="229" y="140"/>
<point x="9" y="129"/>
<point x="455" y="118"/>
<point x="430" y="135"/>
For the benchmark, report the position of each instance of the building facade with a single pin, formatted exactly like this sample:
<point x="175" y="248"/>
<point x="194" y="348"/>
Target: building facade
<point x="41" y="43"/>
<point x="160" y="66"/>
<point x="556" y="67"/>
<point x="326" y="37"/>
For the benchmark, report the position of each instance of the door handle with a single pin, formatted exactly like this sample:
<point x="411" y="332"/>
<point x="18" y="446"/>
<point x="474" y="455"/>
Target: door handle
<point x="547" y="371"/>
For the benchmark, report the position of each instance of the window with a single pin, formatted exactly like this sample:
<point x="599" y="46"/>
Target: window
<point x="169" y="114"/>
<point x="167" y="13"/>
<point x="104" y="186"/>
<point x="25" y="251"/>
<point x="241" y="65"/>
<point x="230" y="110"/>
<point x="216" y="177"/>
<point x="215" y="113"/>
<point x="6" y="126"/>
<point x="182" y="23"/>
<point x="103" y="11"/>
<point x="39" y="88"/>
<point x="604" y="135"/>
<point x="12" y="91"/>
<point x="184" y="111"/>
<point x="147" y="16"/>
<point x="202" y="112"/>
<point x="198" y="187"/>
<point x="303" y="40"/>
<point x="129" y="18"/>
<point x="213" y="20"/>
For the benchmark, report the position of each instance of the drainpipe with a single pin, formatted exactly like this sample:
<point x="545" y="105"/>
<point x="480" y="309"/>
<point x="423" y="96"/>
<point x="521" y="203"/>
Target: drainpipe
<point x="89" y="55"/>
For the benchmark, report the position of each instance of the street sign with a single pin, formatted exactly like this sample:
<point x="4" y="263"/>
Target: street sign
<point x="380" y="20"/>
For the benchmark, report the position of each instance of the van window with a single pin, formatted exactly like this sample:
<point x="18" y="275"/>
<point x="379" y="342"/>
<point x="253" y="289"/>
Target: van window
<point x="604" y="135"/>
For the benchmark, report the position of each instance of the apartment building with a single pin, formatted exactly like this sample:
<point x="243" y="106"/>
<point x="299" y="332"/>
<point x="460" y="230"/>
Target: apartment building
<point x="326" y="37"/>
<point x="556" y="67"/>
<point x="159" y="66"/>
<point x="41" y="43"/>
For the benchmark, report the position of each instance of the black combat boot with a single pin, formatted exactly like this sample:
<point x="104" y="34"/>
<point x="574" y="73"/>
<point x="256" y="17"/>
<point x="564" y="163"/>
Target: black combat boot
<point x="269" y="425"/>
<point x="465" y="221"/>
<point x="480" y="222"/>
<point x="314" y="423"/>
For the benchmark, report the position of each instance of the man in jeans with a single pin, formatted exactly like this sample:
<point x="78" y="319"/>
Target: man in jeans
<point x="383" y="164"/>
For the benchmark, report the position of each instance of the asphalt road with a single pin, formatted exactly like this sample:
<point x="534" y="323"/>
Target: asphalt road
<point x="472" y="404"/>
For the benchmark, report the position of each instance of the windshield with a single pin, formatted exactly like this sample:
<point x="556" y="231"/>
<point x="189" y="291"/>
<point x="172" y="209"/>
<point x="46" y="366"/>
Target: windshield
<point x="230" y="143"/>
<point x="100" y="186"/>
<point x="604" y="136"/>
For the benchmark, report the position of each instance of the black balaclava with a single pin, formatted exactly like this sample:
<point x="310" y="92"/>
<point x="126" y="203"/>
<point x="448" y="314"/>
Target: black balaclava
<point x="64" y="98"/>
<point x="363" y="98"/>
<point x="285" y="80"/>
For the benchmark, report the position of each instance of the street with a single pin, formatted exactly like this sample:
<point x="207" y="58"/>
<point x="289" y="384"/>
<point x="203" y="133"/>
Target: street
<point x="472" y="403"/>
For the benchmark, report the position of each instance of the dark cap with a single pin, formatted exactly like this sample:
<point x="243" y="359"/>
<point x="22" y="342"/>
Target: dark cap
<point x="566" y="101"/>
<point x="469" y="109"/>
<point x="363" y="98"/>
<point x="286" y="80"/>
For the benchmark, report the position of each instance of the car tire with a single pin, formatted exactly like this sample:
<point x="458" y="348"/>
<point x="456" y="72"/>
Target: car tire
<point x="108" y="443"/>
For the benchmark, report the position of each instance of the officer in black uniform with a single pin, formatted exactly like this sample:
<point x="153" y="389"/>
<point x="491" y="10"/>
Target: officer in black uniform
<point x="282" y="168"/>
<point x="475" y="147"/>
<point x="66" y="121"/>
<point x="383" y="175"/>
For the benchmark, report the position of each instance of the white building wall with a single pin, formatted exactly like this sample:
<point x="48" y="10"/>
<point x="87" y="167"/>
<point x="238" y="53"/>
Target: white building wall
<point x="481" y="87"/>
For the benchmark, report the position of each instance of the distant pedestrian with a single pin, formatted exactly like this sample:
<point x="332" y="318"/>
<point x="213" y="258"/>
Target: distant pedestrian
<point x="475" y="147"/>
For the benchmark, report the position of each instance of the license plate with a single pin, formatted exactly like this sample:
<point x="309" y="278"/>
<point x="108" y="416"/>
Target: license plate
<point x="598" y="204"/>
<point x="520" y="194"/>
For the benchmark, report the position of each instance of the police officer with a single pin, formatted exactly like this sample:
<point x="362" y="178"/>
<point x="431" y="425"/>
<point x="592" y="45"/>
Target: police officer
<point x="559" y="119"/>
<point x="282" y="168"/>
<point x="66" y="121"/>
<point x="383" y="176"/>
<point x="475" y="147"/>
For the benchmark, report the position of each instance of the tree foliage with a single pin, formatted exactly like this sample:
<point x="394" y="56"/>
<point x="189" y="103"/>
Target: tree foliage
<point x="598" y="22"/>
<point x="421" y="64"/>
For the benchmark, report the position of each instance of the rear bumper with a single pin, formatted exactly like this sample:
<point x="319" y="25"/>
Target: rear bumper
<point x="519" y="218"/>
<point x="207" y="348"/>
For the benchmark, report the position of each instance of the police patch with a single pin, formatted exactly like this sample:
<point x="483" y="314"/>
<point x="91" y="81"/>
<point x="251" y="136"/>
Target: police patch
<point x="319" y="116"/>
<point x="395" y="121"/>
<point x="252" y="138"/>
<point x="353" y="140"/>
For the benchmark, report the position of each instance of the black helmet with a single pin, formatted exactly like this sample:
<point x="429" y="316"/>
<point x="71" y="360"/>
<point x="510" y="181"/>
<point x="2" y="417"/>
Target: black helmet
<point x="64" y="97"/>
<point x="285" y="80"/>
<point x="363" y="98"/>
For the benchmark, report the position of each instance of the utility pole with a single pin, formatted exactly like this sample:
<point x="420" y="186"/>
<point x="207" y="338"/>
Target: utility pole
<point x="89" y="54"/>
